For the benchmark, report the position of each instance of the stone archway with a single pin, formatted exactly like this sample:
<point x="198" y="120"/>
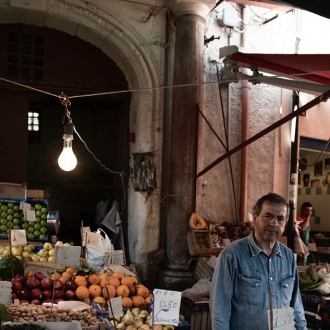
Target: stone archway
<point x="117" y="38"/>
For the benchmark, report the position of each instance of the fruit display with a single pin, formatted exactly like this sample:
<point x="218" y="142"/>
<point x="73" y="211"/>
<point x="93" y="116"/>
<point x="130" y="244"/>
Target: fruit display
<point x="9" y="266"/>
<point x="11" y="216"/>
<point x="46" y="254"/>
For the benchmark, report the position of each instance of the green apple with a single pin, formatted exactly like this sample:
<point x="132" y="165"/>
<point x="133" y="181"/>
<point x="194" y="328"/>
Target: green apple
<point x="32" y="223"/>
<point x="37" y="226"/>
<point x="44" y="217"/>
<point x="38" y="213"/>
<point x="16" y="207"/>
<point x="42" y="236"/>
<point x="48" y="246"/>
<point x="38" y="219"/>
<point x="10" y="217"/>
<point x="43" y="230"/>
<point x="17" y="215"/>
<point x="4" y="208"/>
<point x="16" y="221"/>
<point x="3" y="228"/>
<point x="43" y="223"/>
<point x="30" y="229"/>
<point x="25" y="225"/>
<point x="38" y="207"/>
<point x="10" y="211"/>
<point x="44" y="210"/>
<point x="17" y="227"/>
<point x="3" y="214"/>
<point x="10" y="205"/>
<point x="3" y="221"/>
<point x="10" y="224"/>
<point x="36" y="233"/>
<point x="30" y="235"/>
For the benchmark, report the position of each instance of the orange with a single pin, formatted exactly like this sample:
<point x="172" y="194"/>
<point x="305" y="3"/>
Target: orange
<point x="81" y="280"/>
<point x="119" y="275"/>
<point x="30" y="273"/>
<point x="99" y="300"/>
<point x="128" y="281"/>
<point x="122" y="291"/>
<point x="56" y="276"/>
<point x="142" y="291"/>
<point x="71" y="270"/>
<point x="138" y="301"/>
<point x="111" y="289"/>
<point x="63" y="279"/>
<point x="94" y="290"/>
<point x="114" y="281"/>
<point x="93" y="278"/>
<point x="103" y="278"/>
<point x="126" y="302"/>
<point x="82" y="292"/>
<point x="67" y="274"/>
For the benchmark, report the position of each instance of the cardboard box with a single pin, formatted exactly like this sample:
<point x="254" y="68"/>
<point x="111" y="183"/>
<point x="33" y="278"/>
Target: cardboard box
<point x="203" y="270"/>
<point x="32" y="193"/>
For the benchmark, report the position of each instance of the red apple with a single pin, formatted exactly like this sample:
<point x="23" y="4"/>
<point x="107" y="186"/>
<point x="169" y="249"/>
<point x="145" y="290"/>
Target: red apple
<point x="16" y="285"/>
<point x="32" y="283"/>
<point x="58" y="294"/>
<point x="13" y="296"/>
<point x="71" y="285"/>
<point x="70" y="295"/>
<point x="36" y="293"/>
<point x="47" y="294"/>
<point x="23" y="294"/>
<point x="46" y="283"/>
<point x="57" y="284"/>
<point x="39" y="275"/>
<point x="35" y="302"/>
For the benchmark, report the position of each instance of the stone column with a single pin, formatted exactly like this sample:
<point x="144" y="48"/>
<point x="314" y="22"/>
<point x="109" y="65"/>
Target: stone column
<point x="182" y="148"/>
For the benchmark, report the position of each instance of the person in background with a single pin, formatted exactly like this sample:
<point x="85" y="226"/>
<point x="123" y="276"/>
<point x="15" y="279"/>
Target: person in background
<point x="303" y="221"/>
<point x="257" y="276"/>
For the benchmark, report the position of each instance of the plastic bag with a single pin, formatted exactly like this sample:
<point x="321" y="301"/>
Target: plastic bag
<point x="95" y="255"/>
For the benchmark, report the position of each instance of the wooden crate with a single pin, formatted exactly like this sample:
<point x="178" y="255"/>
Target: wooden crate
<point x="203" y="270"/>
<point x="200" y="243"/>
<point x="196" y="311"/>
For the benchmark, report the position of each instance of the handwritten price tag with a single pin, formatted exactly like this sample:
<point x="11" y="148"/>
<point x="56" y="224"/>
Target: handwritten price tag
<point x="30" y="215"/>
<point x="25" y="206"/>
<point x="166" y="306"/>
<point x="5" y="292"/>
<point x="83" y="234"/>
<point x="67" y="255"/>
<point x="116" y="307"/>
<point x="93" y="239"/>
<point x="283" y="319"/>
<point x="114" y="258"/>
<point x="18" y="237"/>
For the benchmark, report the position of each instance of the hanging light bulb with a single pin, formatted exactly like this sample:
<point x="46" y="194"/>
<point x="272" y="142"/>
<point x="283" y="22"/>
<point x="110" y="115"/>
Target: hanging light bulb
<point x="67" y="160"/>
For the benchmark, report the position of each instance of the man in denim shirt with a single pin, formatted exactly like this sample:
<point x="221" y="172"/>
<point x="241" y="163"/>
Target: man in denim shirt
<point x="256" y="276"/>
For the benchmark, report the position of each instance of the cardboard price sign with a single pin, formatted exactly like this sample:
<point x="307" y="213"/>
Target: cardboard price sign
<point x="67" y="255"/>
<point x="18" y="237"/>
<point x="5" y="292"/>
<point x="166" y="306"/>
<point x="116" y="307"/>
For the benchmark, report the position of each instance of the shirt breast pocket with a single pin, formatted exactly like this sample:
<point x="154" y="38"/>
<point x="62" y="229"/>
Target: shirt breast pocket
<point x="250" y="290"/>
<point x="286" y="286"/>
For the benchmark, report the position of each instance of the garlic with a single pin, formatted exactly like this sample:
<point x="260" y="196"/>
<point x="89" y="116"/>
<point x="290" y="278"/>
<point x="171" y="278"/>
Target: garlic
<point x="128" y="318"/>
<point x="136" y="311"/>
<point x="138" y="323"/>
<point x="144" y="327"/>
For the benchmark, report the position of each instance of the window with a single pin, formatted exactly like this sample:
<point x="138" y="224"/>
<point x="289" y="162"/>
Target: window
<point x="25" y="56"/>
<point x="34" y="126"/>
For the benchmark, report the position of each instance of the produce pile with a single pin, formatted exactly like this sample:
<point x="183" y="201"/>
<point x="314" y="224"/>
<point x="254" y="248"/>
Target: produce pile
<point x="44" y="255"/>
<point x="314" y="279"/>
<point x="12" y="217"/>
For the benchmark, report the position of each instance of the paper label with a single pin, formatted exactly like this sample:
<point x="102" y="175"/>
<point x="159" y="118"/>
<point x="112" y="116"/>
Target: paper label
<point x="166" y="306"/>
<point x="5" y="292"/>
<point x="67" y="255"/>
<point x="18" y="237"/>
<point x="25" y="206"/>
<point x="84" y="230"/>
<point x="93" y="239"/>
<point x="283" y="319"/>
<point x="114" y="258"/>
<point x="116" y="306"/>
<point x="30" y="215"/>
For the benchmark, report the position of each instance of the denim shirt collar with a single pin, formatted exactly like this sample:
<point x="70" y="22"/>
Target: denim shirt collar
<point x="255" y="249"/>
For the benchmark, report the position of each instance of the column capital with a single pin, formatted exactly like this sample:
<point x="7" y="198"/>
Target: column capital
<point x="195" y="7"/>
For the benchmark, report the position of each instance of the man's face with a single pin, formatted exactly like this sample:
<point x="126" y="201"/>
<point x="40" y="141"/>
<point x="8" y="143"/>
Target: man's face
<point x="307" y="211"/>
<point x="270" y="223"/>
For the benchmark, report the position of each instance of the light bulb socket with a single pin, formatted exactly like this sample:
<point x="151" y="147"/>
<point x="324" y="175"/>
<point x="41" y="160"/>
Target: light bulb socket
<point x="67" y="137"/>
<point x="68" y="129"/>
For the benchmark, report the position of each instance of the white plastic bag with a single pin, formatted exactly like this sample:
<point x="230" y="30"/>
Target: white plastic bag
<point x="95" y="255"/>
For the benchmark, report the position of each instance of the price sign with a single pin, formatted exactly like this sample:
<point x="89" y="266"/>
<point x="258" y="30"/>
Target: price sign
<point x="93" y="239"/>
<point x="83" y="234"/>
<point x="114" y="258"/>
<point x="5" y="292"/>
<point x="67" y="255"/>
<point x="25" y="206"/>
<point x="116" y="307"/>
<point x="18" y="237"/>
<point x="166" y="307"/>
<point x="30" y="215"/>
<point x="283" y="319"/>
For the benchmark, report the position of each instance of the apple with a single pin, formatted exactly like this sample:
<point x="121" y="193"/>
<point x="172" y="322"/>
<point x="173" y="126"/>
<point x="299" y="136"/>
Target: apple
<point x="46" y="283"/>
<point x="37" y="207"/>
<point x="58" y="294"/>
<point x="4" y="208"/>
<point x="16" y="285"/>
<point x="47" y="294"/>
<point x="70" y="295"/>
<point x="58" y="284"/>
<point x="48" y="246"/>
<point x="13" y="296"/>
<point x="36" y="294"/>
<point x="23" y="294"/>
<point x="32" y="283"/>
<point x="71" y="285"/>
<point x="35" y="302"/>
<point x="39" y="275"/>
